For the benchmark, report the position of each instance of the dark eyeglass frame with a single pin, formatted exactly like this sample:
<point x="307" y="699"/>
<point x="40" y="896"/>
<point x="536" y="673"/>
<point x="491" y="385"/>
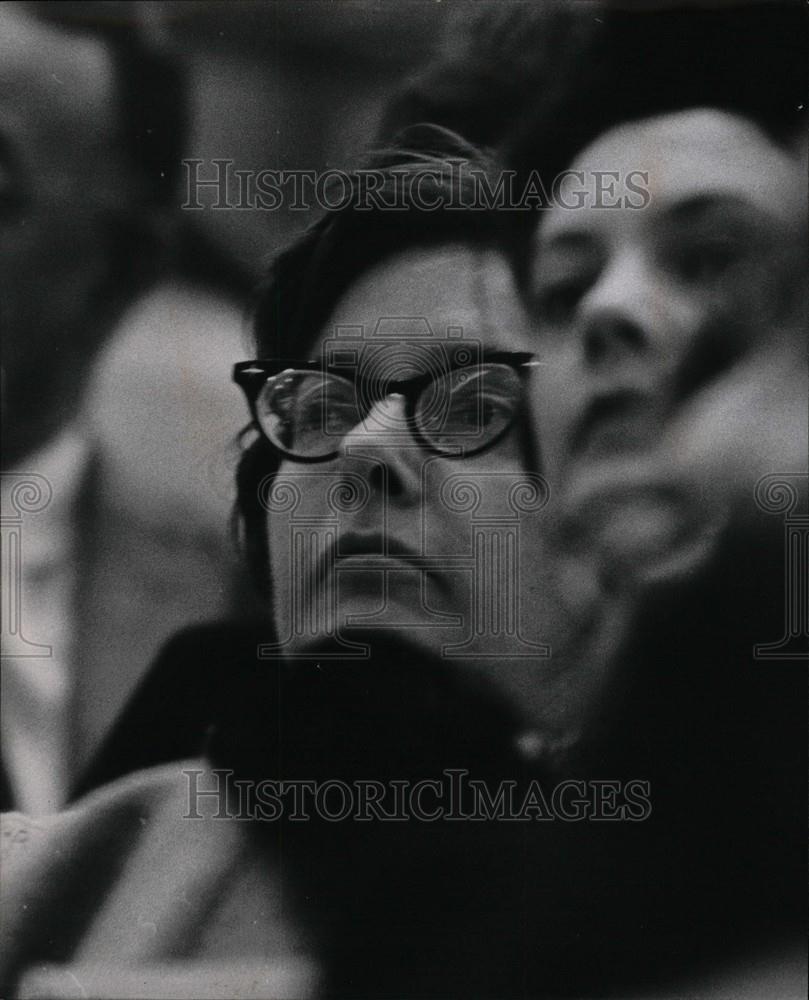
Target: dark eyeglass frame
<point x="251" y="377"/>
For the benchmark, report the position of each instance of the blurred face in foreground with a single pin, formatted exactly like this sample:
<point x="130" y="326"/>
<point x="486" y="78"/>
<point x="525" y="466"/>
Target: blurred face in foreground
<point x="63" y="178"/>
<point x="641" y="311"/>
<point x="387" y="538"/>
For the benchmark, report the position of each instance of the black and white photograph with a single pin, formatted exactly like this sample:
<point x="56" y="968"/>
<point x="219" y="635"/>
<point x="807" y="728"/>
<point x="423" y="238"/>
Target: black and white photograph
<point x="404" y="499"/>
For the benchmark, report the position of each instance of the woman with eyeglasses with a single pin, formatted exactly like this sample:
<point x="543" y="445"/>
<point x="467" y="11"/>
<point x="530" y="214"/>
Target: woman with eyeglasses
<point x="390" y="501"/>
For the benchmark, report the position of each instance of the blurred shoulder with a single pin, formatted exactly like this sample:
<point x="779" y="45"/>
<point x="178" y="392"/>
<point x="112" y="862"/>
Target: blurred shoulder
<point x="123" y="880"/>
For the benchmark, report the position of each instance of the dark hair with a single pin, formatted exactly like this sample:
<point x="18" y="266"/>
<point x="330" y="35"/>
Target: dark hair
<point x="306" y="281"/>
<point x="496" y="63"/>
<point x="747" y="59"/>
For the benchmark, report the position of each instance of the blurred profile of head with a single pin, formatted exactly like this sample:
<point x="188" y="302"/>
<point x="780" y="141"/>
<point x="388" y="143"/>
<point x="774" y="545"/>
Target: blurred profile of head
<point x="642" y="306"/>
<point x="641" y="309"/>
<point x="89" y="122"/>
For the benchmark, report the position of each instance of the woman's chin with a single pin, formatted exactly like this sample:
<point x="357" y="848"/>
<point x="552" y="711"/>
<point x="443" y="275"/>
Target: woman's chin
<point x="373" y="611"/>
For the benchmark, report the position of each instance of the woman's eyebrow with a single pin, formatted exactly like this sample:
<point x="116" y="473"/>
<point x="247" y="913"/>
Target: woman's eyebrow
<point x="567" y="239"/>
<point x="695" y="207"/>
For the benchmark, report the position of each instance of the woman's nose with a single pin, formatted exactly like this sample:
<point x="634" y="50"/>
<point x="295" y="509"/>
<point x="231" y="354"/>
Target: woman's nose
<point x="384" y="437"/>
<point x="636" y="324"/>
<point x="618" y="314"/>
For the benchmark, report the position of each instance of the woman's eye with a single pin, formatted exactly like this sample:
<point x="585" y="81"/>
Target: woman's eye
<point x="495" y="407"/>
<point x="342" y="415"/>
<point x="472" y="411"/>
<point x="558" y="303"/>
<point x="706" y="261"/>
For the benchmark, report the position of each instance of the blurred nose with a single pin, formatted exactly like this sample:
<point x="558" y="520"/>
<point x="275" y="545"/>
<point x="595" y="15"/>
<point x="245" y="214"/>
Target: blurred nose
<point x="385" y="441"/>
<point x="619" y="314"/>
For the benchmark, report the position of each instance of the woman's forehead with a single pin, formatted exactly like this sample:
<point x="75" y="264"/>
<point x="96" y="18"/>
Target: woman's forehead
<point x="455" y="292"/>
<point x="696" y="154"/>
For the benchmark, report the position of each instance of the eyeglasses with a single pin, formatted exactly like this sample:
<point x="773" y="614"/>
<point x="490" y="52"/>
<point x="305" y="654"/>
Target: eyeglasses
<point x="305" y="408"/>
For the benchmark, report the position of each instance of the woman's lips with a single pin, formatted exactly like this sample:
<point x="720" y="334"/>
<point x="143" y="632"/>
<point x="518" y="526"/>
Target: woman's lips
<point x="372" y="553"/>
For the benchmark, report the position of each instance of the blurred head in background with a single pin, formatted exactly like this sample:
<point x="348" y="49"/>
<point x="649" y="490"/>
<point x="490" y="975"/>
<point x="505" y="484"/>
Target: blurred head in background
<point x="90" y="124"/>
<point x="642" y="309"/>
<point x="673" y="329"/>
